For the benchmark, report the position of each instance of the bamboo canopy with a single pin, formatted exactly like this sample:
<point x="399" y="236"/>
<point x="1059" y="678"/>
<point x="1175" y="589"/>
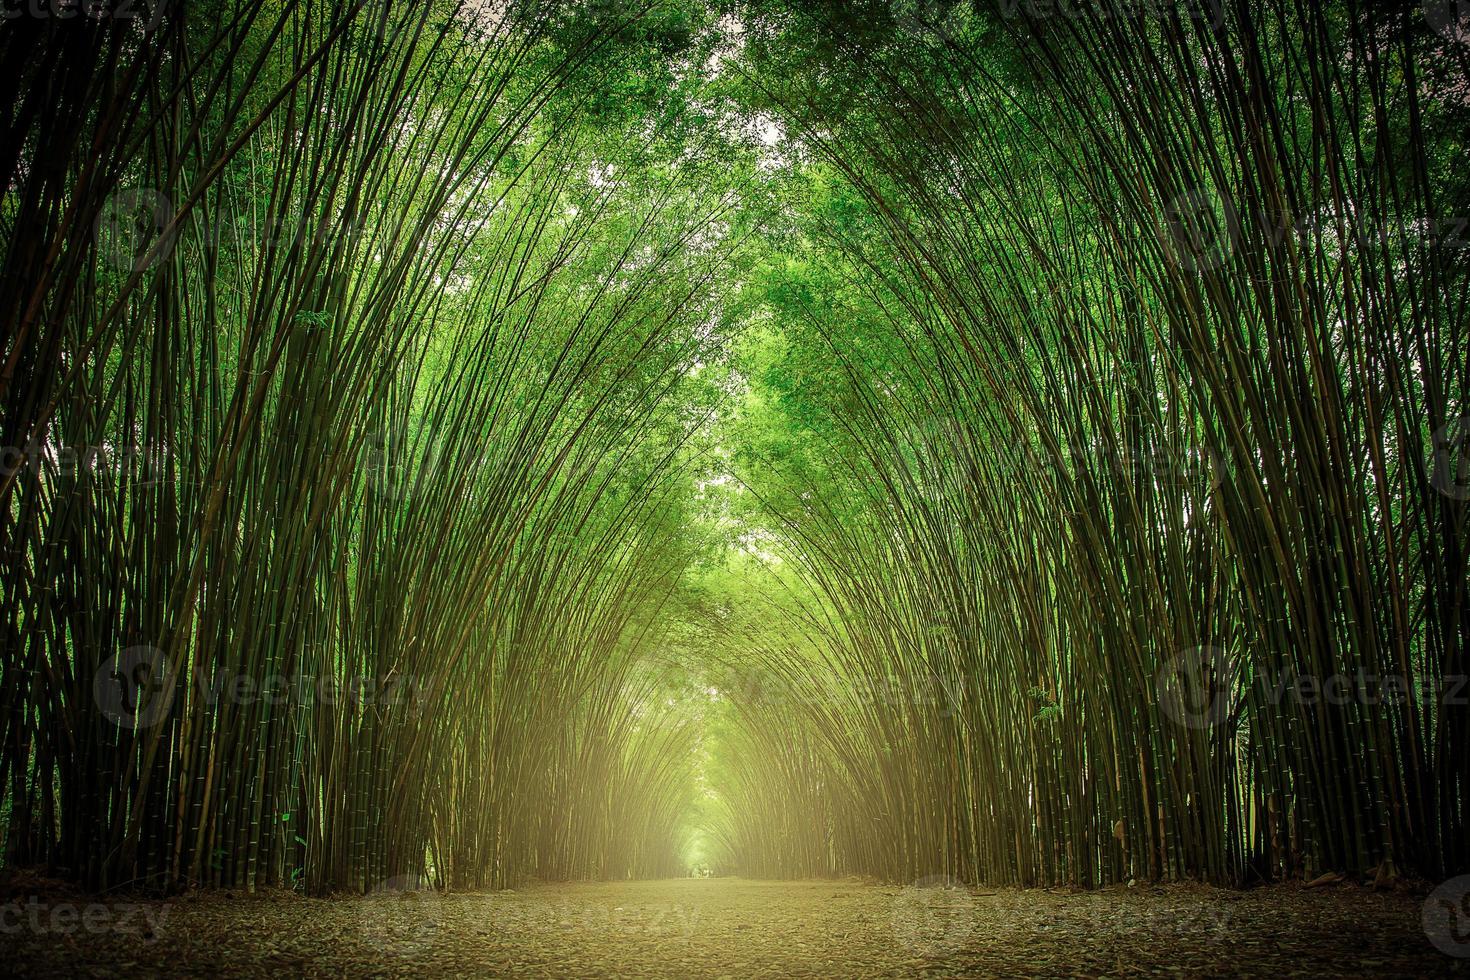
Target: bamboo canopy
<point x="471" y="442"/>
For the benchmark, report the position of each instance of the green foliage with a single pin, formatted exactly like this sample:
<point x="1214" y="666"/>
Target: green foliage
<point x="754" y="436"/>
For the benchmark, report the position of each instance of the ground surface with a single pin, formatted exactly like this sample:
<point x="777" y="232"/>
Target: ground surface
<point x="736" y="928"/>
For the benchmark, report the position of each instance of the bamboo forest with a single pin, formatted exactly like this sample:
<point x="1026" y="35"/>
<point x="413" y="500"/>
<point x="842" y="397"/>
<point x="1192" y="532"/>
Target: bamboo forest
<point x="660" y="488"/>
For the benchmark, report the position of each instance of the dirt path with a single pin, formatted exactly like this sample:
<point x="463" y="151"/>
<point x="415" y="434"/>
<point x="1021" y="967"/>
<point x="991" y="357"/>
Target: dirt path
<point x="736" y="928"/>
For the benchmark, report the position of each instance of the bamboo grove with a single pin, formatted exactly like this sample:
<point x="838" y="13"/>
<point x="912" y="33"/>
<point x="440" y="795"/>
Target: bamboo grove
<point x="465" y="442"/>
<point x="1140" y="477"/>
<point x="389" y="402"/>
